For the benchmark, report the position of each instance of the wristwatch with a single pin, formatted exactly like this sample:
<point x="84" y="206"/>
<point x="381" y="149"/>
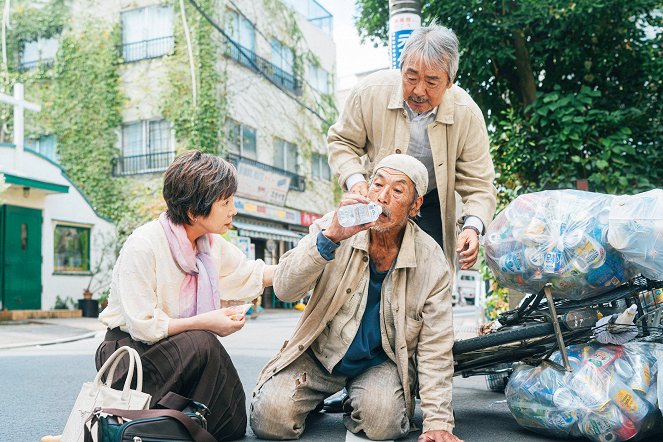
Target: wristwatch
<point x="473" y="228"/>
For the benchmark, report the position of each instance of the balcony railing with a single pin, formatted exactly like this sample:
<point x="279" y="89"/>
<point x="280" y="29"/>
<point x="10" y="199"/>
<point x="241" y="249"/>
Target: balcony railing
<point x="24" y="66"/>
<point x="297" y="182"/>
<point x="256" y="63"/>
<point x="142" y="50"/>
<point x="142" y="164"/>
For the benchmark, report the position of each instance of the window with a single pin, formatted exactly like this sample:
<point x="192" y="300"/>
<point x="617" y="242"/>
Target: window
<point x="146" y="137"/>
<point x="146" y="147"/>
<point x="241" y="31"/>
<point x="285" y="155"/>
<point x="241" y="139"/>
<point x="320" y="167"/>
<point x="318" y="78"/>
<point x="72" y="248"/>
<point x="314" y="12"/>
<point x="40" y="51"/>
<point x="283" y="62"/>
<point x="45" y="145"/>
<point x="147" y="32"/>
<point x="283" y="57"/>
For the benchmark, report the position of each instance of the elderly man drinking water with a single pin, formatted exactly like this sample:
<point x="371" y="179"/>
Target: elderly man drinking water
<point x="378" y="321"/>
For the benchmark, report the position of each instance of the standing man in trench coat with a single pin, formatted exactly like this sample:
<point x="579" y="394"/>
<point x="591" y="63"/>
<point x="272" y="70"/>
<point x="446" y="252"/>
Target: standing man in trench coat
<point x="419" y="111"/>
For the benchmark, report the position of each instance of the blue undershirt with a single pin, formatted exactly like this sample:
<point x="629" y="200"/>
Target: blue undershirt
<point x="365" y="351"/>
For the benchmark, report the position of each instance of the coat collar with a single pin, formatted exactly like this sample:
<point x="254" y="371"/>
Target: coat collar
<point x="445" y="111"/>
<point x="406" y="257"/>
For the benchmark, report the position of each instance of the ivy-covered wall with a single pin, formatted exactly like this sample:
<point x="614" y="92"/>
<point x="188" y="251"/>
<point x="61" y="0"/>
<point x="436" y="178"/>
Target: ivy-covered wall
<point x="260" y="105"/>
<point x="87" y="94"/>
<point x="79" y="94"/>
<point x="86" y="113"/>
<point x="196" y="126"/>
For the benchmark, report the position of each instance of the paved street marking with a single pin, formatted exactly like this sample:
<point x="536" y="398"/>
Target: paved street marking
<point x="351" y="437"/>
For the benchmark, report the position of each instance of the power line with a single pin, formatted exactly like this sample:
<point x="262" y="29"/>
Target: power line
<point x="267" y="39"/>
<point x="253" y="64"/>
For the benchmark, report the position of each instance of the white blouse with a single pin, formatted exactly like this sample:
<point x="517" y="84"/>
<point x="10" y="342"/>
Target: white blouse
<point x="145" y="289"/>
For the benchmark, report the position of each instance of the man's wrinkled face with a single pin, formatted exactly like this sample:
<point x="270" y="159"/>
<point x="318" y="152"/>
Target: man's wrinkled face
<point x="423" y="88"/>
<point x="395" y="192"/>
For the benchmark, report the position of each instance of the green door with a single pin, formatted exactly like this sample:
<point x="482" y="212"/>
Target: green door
<point x="20" y="247"/>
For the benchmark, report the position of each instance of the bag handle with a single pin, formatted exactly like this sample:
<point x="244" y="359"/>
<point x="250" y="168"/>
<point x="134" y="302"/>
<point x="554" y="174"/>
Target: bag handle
<point x="135" y="359"/>
<point x="197" y="433"/>
<point x="112" y="362"/>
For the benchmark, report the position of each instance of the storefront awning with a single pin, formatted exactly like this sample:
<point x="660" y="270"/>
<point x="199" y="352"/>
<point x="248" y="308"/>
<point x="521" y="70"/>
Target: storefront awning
<point x="46" y="186"/>
<point x="265" y="232"/>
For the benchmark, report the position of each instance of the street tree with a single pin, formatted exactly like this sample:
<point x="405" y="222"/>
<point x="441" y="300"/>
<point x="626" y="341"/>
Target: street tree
<point x="570" y="89"/>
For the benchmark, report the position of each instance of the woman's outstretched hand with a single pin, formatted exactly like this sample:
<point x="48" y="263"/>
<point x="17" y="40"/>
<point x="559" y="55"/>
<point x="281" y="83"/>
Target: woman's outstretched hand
<point x="216" y="321"/>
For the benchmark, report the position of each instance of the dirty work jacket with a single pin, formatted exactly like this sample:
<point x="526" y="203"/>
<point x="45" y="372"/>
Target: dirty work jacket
<point x="374" y="123"/>
<point x="415" y="314"/>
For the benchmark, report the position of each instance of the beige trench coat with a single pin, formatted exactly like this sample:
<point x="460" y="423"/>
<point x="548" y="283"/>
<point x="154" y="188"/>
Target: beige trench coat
<point x="415" y="311"/>
<point x="374" y="124"/>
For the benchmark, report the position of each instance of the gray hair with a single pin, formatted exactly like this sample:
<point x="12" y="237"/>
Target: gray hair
<point x="436" y="46"/>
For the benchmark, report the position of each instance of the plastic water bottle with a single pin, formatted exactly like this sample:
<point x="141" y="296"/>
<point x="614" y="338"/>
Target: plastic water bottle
<point x="356" y="214"/>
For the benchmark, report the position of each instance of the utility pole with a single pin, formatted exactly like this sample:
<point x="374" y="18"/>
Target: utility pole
<point x="404" y="17"/>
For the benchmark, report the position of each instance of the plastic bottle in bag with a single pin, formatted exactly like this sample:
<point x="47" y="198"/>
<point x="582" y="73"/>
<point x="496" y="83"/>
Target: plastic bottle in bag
<point x="356" y="214"/>
<point x="630" y="403"/>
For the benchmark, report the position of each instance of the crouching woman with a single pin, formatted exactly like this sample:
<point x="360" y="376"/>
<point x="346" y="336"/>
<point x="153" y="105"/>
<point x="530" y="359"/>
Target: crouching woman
<point x="166" y="290"/>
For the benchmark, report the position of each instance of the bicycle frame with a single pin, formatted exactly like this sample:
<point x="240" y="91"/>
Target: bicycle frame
<point x="542" y="325"/>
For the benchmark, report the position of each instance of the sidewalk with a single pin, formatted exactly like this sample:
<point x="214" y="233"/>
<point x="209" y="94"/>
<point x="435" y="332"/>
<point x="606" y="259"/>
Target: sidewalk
<point x="34" y="332"/>
<point x="15" y="334"/>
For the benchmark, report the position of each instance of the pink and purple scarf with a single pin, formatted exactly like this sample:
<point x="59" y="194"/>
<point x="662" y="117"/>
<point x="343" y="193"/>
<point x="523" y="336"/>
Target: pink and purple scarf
<point x="199" y="292"/>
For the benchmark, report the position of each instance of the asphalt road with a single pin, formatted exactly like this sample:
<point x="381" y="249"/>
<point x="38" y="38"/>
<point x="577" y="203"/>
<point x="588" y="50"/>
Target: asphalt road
<point x="38" y="386"/>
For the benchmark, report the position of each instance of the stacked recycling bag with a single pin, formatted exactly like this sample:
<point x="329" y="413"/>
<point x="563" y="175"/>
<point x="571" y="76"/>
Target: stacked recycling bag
<point x="610" y="396"/>
<point x="636" y="231"/>
<point x="582" y="243"/>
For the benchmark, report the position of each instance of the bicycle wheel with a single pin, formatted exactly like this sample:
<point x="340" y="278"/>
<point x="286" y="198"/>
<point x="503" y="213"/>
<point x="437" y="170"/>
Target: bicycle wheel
<point x="502" y="337"/>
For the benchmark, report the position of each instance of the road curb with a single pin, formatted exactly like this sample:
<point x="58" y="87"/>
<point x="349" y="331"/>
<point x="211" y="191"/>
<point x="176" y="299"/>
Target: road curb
<point x="87" y="335"/>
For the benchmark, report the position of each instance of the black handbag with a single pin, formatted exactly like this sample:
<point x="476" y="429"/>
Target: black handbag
<point x="178" y="419"/>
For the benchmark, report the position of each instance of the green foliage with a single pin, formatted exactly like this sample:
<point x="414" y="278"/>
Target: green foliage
<point x="565" y="137"/>
<point x="197" y="127"/>
<point x="595" y="42"/>
<point x="373" y="21"/>
<point x="327" y="108"/>
<point x="64" y="303"/>
<point x="29" y="23"/>
<point x="597" y="77"/>
<point x="80" y="96"/>
<point x="497" y="303"/>
<point x="86" y="113"/>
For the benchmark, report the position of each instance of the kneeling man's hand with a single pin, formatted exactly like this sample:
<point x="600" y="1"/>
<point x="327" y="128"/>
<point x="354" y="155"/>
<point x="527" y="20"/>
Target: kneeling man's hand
<point x="438" y="436"/>
<point x="337" y="232"/>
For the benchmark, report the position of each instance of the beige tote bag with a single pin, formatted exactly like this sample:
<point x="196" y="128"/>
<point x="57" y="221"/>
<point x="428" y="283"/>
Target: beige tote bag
<point x="98" y="394"/>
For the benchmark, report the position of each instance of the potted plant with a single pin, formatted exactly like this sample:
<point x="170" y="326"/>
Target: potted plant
<point x="100" y="275"/>
<point x="103" y="300"/>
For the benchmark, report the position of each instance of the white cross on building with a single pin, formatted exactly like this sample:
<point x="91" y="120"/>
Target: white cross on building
<point x="19" y="103"/>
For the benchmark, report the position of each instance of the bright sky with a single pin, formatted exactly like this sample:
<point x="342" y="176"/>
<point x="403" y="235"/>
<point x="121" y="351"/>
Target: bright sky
<point x="351" y="55"/>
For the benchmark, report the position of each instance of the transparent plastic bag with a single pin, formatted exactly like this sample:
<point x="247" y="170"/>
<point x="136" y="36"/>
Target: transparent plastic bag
<point x="611" y="394"/>
<point x="636" y="230"/>
<point x="557" y="237"/>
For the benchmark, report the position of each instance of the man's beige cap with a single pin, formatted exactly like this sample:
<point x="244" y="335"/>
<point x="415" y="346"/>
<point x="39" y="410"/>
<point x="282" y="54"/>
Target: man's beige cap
<point x="410" y="166"/>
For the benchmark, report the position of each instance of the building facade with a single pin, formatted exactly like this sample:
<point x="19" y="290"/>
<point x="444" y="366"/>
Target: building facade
<point x="53" y="243"/>
<point x="251" y="81"/>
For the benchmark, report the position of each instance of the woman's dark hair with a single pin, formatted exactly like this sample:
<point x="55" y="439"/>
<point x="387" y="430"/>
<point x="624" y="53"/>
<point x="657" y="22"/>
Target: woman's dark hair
<point x="195" y="181"/>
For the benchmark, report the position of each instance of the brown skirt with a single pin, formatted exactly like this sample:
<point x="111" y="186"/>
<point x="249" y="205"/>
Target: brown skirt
<point x="192" y="364"/>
